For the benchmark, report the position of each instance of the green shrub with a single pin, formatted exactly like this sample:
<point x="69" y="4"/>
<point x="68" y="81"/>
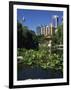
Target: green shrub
<point x="41" y="58"/>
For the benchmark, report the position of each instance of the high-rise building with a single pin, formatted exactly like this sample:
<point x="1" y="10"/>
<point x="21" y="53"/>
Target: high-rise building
<point x="55" y="22"/>
<point x="51" y="29"/>
<point x="45" y="30"/>
<point x="38" y="30"/>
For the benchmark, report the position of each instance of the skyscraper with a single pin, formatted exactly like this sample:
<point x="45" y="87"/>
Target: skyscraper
<point x="51" y="28"/>
<point x="55" y="22"/>
<point x="38" y="30"/>
<point x="45" y="30"/>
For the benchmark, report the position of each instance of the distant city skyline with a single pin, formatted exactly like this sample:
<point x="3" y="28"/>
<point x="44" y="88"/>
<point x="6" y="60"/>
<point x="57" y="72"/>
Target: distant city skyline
<point x="34" y="18"/>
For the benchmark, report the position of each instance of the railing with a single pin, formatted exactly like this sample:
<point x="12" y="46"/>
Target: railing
<point x="60" y="47"/>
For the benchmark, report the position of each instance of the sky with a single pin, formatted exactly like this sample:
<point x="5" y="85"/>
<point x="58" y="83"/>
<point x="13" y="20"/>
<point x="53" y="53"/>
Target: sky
<point x="34" y="18"/>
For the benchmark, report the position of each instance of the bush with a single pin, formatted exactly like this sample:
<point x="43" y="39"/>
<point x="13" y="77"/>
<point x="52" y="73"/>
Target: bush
<point x="41" y="58"/>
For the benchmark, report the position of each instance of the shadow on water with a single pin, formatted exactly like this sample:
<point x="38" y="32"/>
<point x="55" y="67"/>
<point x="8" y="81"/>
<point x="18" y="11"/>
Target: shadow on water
<point x="37" y="73"/>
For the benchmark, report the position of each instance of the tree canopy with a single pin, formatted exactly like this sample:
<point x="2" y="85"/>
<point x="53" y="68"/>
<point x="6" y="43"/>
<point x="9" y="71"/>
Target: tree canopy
<point x="26" y="38"/>
<point x="57" y="37"/>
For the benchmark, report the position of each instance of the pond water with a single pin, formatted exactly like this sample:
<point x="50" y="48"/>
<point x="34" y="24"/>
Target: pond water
<point x="24" y="73"/>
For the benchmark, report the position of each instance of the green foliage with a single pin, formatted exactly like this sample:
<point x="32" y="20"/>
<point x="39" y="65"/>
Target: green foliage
<point x="57" y="37"/>
<point x="26" y="38"/>
<point x="19" y="34"/>
<point x="40" y="38"/>
<point x="41" y="58"/>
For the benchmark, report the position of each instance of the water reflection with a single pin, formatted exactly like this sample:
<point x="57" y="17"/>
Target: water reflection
<point x="35" y="72"/>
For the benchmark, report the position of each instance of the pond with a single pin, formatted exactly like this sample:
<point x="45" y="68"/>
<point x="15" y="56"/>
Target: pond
<point x="24" y="73"/>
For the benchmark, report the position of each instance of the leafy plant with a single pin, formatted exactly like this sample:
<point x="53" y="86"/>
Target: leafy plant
<point x="41" y="58"/>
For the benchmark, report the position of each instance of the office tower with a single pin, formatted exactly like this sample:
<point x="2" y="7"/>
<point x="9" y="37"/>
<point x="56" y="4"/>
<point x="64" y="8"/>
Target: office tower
<point x="51" y="28"/>
<point x="55" y="22"/>
<point x="42" y="30"/>
<point x="46" y="31"/>
<point x="38" y="30"/>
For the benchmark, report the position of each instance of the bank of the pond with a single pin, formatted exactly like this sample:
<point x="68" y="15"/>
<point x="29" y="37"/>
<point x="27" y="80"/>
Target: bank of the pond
<point x="36" y="72"/>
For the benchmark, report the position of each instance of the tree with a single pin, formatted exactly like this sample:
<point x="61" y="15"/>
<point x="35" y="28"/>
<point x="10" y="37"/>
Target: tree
<point x="40" y="38"/>
<point x="26" y="38"/>
<point x="57" y="39"/>
<point x="19" y="35"/>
